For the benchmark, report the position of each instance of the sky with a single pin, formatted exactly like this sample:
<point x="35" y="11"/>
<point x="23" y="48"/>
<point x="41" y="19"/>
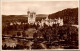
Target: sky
<point x="40" y="7"/>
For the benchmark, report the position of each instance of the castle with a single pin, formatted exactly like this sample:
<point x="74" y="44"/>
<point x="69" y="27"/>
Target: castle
<point x="32" y="19"/>
<point x="49" y="22"/>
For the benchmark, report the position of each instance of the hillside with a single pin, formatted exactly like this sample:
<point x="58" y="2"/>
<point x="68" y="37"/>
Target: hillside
<point x="21" y="18"/>
<point x="69" y="15"/>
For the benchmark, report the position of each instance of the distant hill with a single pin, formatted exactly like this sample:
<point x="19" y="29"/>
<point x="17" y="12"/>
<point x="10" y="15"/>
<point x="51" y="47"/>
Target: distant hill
<point x="12" y="18"/>
<point x="21" y="18"/>
<point x="69" y="15"/>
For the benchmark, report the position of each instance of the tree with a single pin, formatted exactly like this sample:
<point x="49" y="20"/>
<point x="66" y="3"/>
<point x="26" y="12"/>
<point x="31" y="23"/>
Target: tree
<point x="35" y="36"/>
<point x="24" y="34"/>
<point x="18" y="33"/>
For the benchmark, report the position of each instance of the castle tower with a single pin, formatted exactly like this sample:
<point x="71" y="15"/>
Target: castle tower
<point x="60" y="21"/>
<point x="31" y="17"/>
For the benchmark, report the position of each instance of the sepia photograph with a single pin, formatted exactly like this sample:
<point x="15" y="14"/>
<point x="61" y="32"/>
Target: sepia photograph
<point x="30" y="25"/>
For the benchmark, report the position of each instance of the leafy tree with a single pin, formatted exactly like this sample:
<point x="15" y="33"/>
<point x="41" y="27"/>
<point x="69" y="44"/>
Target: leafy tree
<point x="18" y="33"/>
